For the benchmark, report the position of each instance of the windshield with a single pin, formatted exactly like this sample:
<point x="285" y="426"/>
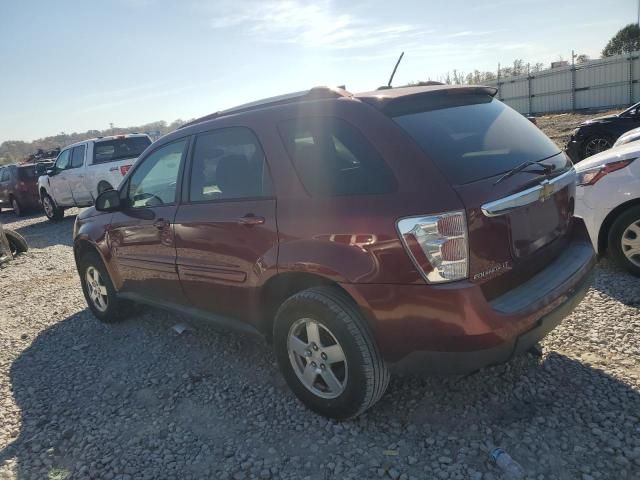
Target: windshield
<point x="480" y="139"/>
<point x="119" y="148"/>
<point x="631" y="110"/>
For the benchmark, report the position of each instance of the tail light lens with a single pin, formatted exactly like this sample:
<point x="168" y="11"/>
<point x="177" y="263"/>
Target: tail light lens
<point x="438" y="245"/>
<point x="124" y="169"/>
<point x="592" y="175"/>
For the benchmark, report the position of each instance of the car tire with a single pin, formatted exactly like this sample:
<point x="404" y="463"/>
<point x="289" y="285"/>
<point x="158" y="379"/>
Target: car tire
<point x="328" y="317"/>
<point x="624" y="240"/>
<point x="99" y="291"/>
<point x="103" y="187"/>
<point x="53" y="212"/>
<point x="17" y="208"/>
<point x="597" y="143"/>
<point x="17" y="242"/>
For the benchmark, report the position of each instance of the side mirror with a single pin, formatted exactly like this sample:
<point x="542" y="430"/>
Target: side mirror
<point x="108" y="201"/>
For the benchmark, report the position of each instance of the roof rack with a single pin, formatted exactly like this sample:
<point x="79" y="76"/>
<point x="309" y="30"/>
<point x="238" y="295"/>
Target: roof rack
<point x="315" y="93"/>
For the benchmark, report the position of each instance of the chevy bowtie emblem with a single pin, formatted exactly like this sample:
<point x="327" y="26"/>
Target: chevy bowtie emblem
<point x="546" y="191"/>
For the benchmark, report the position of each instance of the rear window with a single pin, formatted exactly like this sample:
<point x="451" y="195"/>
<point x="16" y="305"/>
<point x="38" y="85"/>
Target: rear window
<point x="27" y="173"/>
<point x="478" y="139"/>
<point x="332" y="158"/>
<point x="111" y="150"/>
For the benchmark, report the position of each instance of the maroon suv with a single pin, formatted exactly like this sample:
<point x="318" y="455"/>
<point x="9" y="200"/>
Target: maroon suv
<point x="421" y="228"/>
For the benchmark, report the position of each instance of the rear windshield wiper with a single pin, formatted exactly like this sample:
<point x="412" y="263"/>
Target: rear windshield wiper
<point x="544" y="169"/>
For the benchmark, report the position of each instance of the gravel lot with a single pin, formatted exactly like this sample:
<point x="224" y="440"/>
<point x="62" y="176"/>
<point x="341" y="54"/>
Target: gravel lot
<point x="79" y="399"/>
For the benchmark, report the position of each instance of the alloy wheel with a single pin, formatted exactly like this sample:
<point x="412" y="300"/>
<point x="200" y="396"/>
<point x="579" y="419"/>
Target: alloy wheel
<point x="48" y="206"/>
<point x="631" y="243"/>
<point x="97" y="289"/>
<point x="317" y="358"/>
<point x="596" y="145"/>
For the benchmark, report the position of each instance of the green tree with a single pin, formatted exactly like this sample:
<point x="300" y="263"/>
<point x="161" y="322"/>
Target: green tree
<point x="627" y="40"/>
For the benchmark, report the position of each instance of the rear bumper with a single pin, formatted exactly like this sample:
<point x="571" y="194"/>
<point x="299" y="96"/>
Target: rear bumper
<point x="451" y="363"/>
<point x="452" y="328"/>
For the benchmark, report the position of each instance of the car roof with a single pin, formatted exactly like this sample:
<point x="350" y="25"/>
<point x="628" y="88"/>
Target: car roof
<point x="106" y="138"/>
<point x="378" y="97"/>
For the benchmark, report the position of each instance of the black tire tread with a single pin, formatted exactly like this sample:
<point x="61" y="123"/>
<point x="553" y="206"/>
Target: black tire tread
<point x="17" y="241"/>
<point x="615" y="234"/>
<point x="375" y="370"/>
<point x="118" y="309"/>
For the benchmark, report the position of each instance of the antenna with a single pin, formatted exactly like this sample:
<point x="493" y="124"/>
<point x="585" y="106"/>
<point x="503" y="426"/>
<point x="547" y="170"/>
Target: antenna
<point x="394" y="70"/>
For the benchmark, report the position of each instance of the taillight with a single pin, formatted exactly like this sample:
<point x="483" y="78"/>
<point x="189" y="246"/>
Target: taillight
<point x="22" y="186"/>
<point x="438" y="245"/>
<point x="591" y="176"/>
<point x="124" y="169"/>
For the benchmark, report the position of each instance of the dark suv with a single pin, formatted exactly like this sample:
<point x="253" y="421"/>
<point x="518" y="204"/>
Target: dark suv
<point x="414" y="228"/>
<point x="19" y="188"/>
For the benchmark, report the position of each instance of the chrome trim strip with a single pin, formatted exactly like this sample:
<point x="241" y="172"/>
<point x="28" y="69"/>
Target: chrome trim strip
<point x="540" y="192"/>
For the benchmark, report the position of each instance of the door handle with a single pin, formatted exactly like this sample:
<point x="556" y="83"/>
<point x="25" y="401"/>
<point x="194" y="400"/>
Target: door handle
<point x="251" y="219"/>
<point x="160" y="223"/>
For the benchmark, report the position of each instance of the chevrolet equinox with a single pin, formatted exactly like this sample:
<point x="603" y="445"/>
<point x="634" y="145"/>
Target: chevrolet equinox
<point x="413" y="229"/>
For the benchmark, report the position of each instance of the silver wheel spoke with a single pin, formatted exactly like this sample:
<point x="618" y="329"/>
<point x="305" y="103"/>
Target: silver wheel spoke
<point x="298" y="346"/>
<point x="309" y="375"/>
<point x="313" y="333"/>
<point x="332" y="382"/>
<point x="334" y="353"/>
<point x="102" y="289"/>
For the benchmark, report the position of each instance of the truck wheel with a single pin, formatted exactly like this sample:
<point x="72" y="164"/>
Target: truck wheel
<point x="17" y="242"/>
<point x="103" y="187"/>
<point x="99" y="291"/>
<point x="624" y="240"/>
<point x="52" y="212"/>
<point x="327" y="353"/>
<point x="17" y="209"/>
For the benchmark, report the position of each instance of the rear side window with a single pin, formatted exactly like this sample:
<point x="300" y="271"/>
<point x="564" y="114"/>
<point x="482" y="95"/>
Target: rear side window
<point x="27" y="173"/>
<point x="478" y="139"/>
<point x="228" y="163"/>
<point x="4" y="175"/>
<point x="333" y="158"/>
<point x="119" y="149"/>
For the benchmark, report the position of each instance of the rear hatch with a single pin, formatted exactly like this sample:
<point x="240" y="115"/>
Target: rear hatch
<point x="27" y="181"/>
<point x="515" y="183"/>
<point x="121" y="151"/>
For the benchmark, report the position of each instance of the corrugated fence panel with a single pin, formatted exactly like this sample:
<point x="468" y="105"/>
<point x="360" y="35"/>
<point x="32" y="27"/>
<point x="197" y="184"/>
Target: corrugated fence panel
<point x="519" y="104"/>
<point x="514" y="88"/>
<point x="552" y="103"/>
<point x="609" y="82"/>
<point x="602" y="97"/>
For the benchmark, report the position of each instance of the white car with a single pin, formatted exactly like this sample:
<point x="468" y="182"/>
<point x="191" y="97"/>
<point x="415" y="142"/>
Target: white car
<point x="608" y="199"/>
<point x="86" y="169"/>
<point x="628" y="137"/>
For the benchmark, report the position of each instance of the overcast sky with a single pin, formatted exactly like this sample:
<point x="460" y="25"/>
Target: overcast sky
<point x="79" y="65"/>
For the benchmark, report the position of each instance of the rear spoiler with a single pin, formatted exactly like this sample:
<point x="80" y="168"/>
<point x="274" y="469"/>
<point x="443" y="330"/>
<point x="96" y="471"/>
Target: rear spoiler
<point x="421" y="100"/>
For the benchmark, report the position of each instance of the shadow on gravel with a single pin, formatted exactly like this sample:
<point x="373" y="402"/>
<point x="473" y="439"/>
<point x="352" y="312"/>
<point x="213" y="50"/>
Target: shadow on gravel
<point x="136" y="400"/>
<point x="43" y="233"/>
<point x="616" y="283"/>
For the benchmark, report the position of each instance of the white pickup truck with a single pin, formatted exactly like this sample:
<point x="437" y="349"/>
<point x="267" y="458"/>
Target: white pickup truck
<point x="86" y="169"/>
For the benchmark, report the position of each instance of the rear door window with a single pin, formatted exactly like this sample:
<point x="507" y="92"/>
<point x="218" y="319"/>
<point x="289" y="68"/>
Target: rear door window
<point x="77" y="156"/>
<point x="473" y="138"/>
<point x="332" y="158"/>
<point x="228" y="164"/>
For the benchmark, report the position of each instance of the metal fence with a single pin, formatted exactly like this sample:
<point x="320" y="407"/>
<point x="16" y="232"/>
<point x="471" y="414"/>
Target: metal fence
<point x="605" y="83"/>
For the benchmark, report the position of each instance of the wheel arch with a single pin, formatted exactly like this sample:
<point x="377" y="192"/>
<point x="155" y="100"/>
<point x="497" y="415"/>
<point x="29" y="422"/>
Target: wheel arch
<point x="282" y="286"/>
<point x="605" y="227"/>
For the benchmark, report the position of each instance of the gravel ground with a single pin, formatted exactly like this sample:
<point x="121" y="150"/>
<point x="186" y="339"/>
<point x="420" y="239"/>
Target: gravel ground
<point x="79" y="399"/>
